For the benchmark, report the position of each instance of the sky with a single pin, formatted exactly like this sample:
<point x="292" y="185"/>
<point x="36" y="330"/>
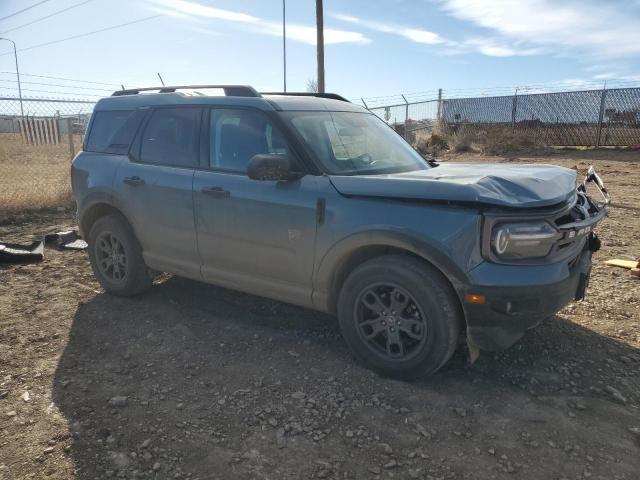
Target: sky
<point x="374" y="49"/>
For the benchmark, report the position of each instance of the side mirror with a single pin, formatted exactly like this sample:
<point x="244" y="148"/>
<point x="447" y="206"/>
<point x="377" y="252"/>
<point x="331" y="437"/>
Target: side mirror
<point x="269" y="166"/>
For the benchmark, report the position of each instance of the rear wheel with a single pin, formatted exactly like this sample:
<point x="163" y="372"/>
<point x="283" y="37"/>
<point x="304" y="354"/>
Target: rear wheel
<point x="399" y="316"/>
<point x="116" y="257"/>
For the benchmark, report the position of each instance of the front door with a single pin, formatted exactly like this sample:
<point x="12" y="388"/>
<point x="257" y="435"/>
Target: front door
<point x="256" y="236"/>
<point x="155" y="189"/>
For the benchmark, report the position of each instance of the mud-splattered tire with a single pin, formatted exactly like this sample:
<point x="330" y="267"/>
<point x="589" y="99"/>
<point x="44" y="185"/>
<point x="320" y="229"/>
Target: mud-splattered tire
<point x="400" y="316"/>
<point x="116" y="257"/>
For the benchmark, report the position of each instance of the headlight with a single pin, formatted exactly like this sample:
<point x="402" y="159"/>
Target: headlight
<point x="511" y="241"/>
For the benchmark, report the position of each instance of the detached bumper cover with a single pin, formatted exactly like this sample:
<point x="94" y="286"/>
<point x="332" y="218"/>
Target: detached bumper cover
<point x="510" y="311"/>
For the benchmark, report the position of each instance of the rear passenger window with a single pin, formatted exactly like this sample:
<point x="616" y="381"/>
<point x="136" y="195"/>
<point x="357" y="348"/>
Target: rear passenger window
<point x="171" y="137"/>
<point x="113" y="131"/>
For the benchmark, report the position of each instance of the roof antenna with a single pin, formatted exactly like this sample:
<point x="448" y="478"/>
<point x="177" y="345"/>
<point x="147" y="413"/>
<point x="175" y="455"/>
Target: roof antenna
<point x="160" y="77"/>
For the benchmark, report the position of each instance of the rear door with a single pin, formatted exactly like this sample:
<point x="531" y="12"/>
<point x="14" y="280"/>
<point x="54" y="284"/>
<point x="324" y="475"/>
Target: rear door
<point x="155" y="189"/>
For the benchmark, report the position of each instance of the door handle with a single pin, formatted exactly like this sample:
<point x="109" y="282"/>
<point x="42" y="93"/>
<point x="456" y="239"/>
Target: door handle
<point x="134" y="181"/>
<point x="217" y="192"/>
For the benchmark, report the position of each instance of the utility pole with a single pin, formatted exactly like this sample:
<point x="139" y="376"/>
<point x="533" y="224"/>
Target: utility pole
<point x="284" y="43"/>
<point x="320" y="45"/>
<point x="15" y="55"/>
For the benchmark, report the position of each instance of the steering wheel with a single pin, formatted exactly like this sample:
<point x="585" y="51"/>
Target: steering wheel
<point x="366" y="159"/>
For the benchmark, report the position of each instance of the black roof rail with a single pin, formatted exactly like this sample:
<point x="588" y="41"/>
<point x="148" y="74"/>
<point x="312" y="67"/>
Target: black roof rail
<point x="229" y="90"/>
<point x="333" y="96"/>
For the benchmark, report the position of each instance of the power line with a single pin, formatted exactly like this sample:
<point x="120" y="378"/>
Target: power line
<point x="59" y="85"/>
<point x="46" y="17"/>
<point x="49" y="91"/>
<point x="144" y="19"/>
<point x="24" y="10"/>
<point x="63" y="78"/>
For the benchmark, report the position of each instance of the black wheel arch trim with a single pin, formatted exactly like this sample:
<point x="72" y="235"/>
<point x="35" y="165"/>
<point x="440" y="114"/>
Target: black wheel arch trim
<point x="325" y="289"/>
<point x="98" y="200"/>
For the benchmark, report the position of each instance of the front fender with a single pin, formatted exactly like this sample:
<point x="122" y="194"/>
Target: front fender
<point x="329" y="266"/>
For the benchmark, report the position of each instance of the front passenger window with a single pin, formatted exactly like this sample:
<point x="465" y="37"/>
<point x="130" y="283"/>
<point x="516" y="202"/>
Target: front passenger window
<point x="236" y="136"/>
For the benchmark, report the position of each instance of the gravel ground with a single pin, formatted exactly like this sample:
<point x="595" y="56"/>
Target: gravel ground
<point x="195" y="382"/>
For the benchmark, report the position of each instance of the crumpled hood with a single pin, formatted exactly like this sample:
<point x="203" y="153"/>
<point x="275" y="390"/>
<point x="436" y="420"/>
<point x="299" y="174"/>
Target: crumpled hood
<point x="520" y="186"/>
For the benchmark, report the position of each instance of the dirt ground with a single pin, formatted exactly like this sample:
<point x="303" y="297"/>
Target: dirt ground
<point x="195" y="382"/>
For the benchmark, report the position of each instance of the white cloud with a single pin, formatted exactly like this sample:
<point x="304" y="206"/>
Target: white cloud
<point x="192" y="8"/>
<point x="421" y="36"/>
<point x="492" y="47"/>
<point x="486" y="46"/>
<point x="414" y="34"/>
<point x="300" y="33"/>
<point x="587" y="27"/>
<point x="606" y="75"/>
<point x="345" y="18"/>
<point x="617" y="76"/>
<point x="308" y="34"/>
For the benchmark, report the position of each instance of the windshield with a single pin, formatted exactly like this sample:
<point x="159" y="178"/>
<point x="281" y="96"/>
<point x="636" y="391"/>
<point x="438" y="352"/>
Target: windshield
<point x="351" y="143"/>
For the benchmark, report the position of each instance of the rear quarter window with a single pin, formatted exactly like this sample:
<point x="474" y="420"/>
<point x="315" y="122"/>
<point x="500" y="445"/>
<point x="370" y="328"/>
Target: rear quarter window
<point x="113" y="131"/>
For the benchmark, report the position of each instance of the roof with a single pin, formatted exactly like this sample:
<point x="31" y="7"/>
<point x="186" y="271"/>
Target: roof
<point x="133" y="99"/>
<point x="306" y="103"/>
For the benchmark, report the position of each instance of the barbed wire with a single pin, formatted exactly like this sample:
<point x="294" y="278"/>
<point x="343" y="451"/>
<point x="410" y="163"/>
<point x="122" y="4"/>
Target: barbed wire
<point x="549" y="87"/>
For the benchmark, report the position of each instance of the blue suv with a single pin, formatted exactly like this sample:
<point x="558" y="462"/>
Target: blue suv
<point x="311" y="200"/>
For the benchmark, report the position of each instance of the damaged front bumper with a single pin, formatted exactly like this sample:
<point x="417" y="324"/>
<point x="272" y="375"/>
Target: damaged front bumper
<point x="515" y="298"/>
<point x="510" y="311"/>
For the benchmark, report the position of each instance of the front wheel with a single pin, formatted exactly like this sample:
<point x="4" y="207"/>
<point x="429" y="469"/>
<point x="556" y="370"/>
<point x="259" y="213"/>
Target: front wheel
<point x="400" y="316"/>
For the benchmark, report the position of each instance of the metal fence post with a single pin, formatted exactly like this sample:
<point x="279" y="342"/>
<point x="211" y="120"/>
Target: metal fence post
<point x="514" y="108"/>
<point x="72" y="148"/>
<point x="439" y="111"/>
<point x="603" y="99"/>
<point x="406" y="117"/>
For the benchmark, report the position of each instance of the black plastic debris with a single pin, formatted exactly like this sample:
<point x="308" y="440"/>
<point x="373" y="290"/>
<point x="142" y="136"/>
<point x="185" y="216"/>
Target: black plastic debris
<point x="65" y="240"/>
<point x="13" y="253"/>
<point x="16" y="253"/>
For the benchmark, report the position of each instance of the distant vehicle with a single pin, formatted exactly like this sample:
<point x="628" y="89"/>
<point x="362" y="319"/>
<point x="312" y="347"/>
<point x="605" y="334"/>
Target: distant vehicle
<point x="309" y="199"/>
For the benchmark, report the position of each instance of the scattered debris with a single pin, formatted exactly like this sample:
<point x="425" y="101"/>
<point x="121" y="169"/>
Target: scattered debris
<point x="69" y="240"/>
<point x="16" y="253"/>
<point x="628" y="264"/>
<point x="120" y="401"/>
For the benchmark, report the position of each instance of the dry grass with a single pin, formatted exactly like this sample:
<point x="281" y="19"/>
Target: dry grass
<point x="428" y="143"/>
<point x="504" y="141"/>
<point x="33" y="176"/>
<point x="489" y="140"/>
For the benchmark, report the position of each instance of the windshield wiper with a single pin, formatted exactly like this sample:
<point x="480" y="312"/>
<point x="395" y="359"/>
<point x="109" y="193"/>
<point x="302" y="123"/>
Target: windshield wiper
<point x="379" y="171"/>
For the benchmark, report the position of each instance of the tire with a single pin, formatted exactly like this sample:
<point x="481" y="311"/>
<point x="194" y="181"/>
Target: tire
<point x="113" y="233"/>
<point x="426" y="313"/>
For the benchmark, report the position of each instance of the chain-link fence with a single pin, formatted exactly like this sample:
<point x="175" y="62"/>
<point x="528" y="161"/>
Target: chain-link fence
<point x="410" y="119"/>
<point x="38" y="139"/>
<point x="606" y="117"/>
